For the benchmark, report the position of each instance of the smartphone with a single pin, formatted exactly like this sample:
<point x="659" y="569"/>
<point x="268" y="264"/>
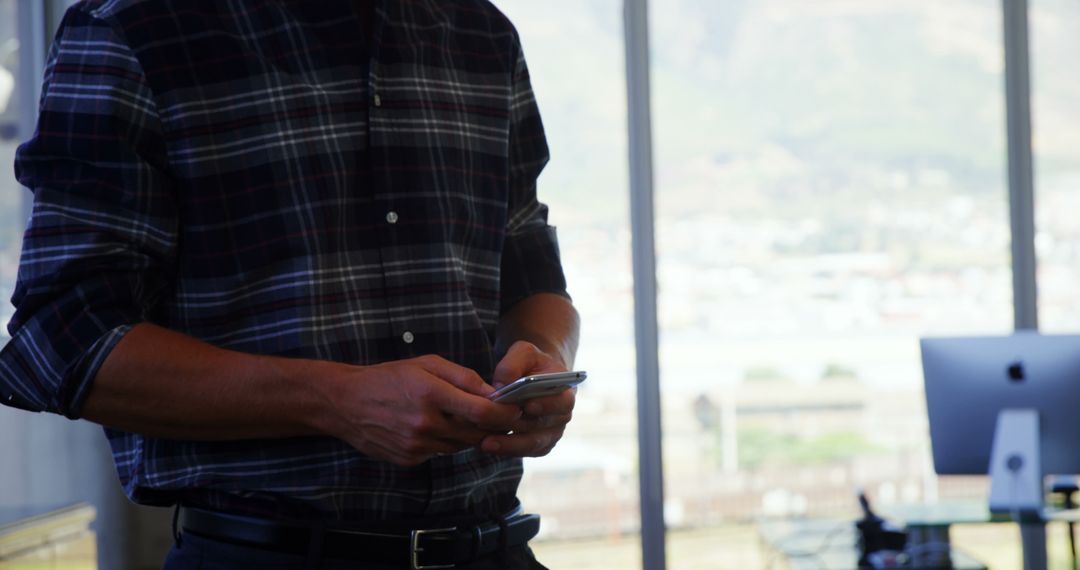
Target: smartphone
<point x="535" y="386"/>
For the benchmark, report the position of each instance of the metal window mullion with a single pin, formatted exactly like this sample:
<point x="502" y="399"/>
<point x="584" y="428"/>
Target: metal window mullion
<point x="1021" y="167"/>
<point x="651" y="473"/>
<point x="32" y="34"/>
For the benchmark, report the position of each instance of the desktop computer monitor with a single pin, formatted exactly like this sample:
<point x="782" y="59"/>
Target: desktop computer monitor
<point x="969" y="381"/>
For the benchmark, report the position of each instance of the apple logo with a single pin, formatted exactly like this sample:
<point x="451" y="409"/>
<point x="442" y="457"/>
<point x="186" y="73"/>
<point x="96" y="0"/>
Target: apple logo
<point x="1016" y="371"/>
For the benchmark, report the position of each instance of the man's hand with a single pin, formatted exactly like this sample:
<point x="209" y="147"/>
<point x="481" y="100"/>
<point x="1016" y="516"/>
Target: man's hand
<point x="407" y="411"/>
<point x="542" y="427"/>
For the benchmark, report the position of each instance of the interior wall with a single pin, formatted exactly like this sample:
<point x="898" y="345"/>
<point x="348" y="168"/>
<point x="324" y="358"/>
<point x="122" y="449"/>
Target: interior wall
<point x="51" y="461"/>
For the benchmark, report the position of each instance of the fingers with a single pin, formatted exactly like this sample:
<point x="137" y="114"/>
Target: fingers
<point x="459" y="391"/>
<point x="405" y="412"/>
<point x="457" y="375"/>
<point x="461" y="434"/>
<point x="524" y="444"/>
<point x="522" y="359"/>
<point x="431" y="406"/>
<point x="480" y="411"/>
<point x="538" y="423"/>
<point x="418" y="443"/>
<point x="559" y="404"/>
<point x="536" y="433"/>
<point x="475" y="409"/>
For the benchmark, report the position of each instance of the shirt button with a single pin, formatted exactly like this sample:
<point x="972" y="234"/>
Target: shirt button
<point x="391" y="217"/>
<point x="378" y="100"/>
<point x="408" y="337"/>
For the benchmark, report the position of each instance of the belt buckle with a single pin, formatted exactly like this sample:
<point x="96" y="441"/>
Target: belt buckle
<point x="415" y="548"/>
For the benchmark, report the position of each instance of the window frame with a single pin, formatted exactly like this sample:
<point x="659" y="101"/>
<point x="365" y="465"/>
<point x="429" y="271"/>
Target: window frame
<point x="32" y="48"/>
<point x="37" y="21"/>
<point x="1022" y="230"/>
<point x="1021" y="164"/>
<point x="643" y="253"/>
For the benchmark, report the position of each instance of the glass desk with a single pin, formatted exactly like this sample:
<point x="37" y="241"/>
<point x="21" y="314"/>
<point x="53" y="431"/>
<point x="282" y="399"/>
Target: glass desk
<point x="58" y="538"/>
<point x="832" y="545"/>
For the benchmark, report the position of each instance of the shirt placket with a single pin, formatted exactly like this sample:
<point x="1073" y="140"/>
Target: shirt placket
<point x="388" y="217"/>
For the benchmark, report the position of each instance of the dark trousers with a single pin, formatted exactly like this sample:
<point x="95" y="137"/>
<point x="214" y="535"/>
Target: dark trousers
<point x="192" y="552"/>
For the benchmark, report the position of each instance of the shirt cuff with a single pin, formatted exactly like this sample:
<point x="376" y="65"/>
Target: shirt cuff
<point x="29" y="368"/>
<point x="82" y="374"/>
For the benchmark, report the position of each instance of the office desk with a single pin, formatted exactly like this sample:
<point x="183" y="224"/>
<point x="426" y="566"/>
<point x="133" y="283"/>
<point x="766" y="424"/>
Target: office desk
<point x="816" y="544"/>
<point x="57" y="538"/>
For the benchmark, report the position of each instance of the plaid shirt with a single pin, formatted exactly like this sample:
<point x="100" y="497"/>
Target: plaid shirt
<point x="251" y="173"/>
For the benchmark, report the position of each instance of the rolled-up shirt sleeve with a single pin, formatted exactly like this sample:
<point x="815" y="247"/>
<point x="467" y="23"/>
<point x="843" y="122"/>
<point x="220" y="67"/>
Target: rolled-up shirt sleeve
<point x="99" y="247"/>
<point x="530" y="258"/>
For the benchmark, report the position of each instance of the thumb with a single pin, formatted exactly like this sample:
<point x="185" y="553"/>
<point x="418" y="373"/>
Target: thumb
<point x="522" y="358"/>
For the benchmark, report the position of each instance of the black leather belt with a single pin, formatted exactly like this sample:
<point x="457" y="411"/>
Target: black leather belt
<point x="414" y="548"/>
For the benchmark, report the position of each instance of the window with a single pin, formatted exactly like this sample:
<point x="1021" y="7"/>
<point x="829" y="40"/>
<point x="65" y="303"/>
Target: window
<point x="11" y="194"/>
<point x="1055" y="41"/>
<point x="830" y="186"/>
<point x="586" y="489"/>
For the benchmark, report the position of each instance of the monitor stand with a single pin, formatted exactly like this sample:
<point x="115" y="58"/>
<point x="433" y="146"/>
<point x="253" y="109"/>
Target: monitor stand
<point x="1016" y="480"/>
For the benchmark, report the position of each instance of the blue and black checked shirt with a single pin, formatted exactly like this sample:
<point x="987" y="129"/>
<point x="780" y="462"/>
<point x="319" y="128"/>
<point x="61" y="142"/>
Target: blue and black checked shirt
<point x="254" y="174"/>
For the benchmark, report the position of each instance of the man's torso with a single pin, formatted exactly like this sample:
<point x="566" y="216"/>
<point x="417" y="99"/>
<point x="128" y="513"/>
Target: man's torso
<point x="332" y="203"/>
